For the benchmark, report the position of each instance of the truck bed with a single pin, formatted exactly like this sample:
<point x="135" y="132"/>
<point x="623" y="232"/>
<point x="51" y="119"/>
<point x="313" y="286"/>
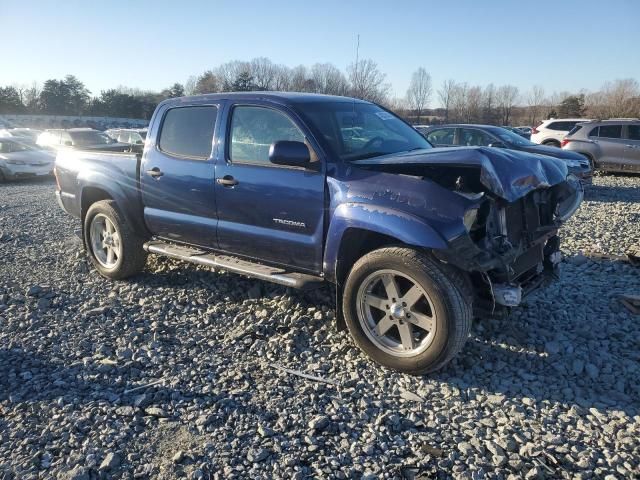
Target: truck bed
<point x="116" y="173"/>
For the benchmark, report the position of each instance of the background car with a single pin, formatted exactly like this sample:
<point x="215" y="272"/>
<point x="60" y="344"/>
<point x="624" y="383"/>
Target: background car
<point x="29" y="135"/>
<point x="518" y="130"/>
<point x="491" y="136"/>
<point x="131" y="136"/>
<point x="18" y="159"/>
<point x="551" y="132"/>
<point x="81" y="139"/>
<point x="610" y="145"/>
<point x="526" y="130"/>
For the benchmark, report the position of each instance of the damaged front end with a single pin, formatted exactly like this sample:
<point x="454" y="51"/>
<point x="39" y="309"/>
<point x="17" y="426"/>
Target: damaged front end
<point x="510" y="244"/>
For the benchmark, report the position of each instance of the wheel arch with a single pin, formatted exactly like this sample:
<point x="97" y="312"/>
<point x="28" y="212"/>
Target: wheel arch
<point x="356" y="230"/>
<point x="96" y="190"/>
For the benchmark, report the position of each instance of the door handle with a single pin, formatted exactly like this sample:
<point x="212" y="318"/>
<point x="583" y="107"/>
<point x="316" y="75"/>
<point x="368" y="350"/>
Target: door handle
<point x="227" y="181"/>
<point x="155" y="172"/>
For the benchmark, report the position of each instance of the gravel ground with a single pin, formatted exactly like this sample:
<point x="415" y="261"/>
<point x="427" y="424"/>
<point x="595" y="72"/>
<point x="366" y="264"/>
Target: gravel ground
<point x="175" y="373"/>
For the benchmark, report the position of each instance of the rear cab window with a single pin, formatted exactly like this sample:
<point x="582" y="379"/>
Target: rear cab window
<point x="188" y="131"/>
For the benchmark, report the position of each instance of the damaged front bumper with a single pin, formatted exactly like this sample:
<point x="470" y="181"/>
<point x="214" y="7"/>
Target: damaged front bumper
<point x="514" y="248"/>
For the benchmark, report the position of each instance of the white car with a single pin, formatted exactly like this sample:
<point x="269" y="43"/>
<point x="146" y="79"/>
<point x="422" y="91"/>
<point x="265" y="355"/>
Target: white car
<point x="19" y="159"/>
<point x="551" y="132"/>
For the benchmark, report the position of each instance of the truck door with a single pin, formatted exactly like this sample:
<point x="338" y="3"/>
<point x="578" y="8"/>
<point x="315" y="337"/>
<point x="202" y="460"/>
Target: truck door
<point x="268" y="212"/>
<point x="177" y="175"/>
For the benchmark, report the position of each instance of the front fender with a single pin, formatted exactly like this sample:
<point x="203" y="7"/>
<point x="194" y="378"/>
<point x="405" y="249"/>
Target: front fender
<point x="404" y="227"/>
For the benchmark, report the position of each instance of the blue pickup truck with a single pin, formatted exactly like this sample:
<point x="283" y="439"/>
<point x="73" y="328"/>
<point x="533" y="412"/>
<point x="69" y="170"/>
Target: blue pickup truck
<point x="301" y="189"/>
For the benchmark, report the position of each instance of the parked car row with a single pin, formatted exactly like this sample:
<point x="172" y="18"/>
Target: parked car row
<point x="464" y="135"/>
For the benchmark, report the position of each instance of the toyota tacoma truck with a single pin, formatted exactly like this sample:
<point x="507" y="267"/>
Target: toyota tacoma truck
<point x="301" y="189"/>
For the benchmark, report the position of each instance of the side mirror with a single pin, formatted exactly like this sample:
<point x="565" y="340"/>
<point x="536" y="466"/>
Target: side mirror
<point x="497" y="145"/>
<point x="293" y="154"/>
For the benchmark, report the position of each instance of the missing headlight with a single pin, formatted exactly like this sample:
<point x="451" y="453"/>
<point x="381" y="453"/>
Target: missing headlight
<point x="568" y="205"/>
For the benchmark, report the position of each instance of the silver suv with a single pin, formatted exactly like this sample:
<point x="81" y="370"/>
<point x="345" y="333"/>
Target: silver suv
<point x="611" y="145"/>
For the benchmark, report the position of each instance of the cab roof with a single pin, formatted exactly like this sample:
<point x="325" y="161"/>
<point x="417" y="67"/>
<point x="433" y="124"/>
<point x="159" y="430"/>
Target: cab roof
<point x="286" y="98"/>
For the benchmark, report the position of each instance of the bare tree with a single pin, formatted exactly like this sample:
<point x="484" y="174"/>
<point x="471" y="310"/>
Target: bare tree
<point x="474" y="104"/>
<point x="367" y="81"/>
<point x="263" y="72"/>
<point x="459" y="104"/>
<point x="535" y="99"/>
<point x="619" y="95"/>
<point x="489" y="104"/>
<point x="419" y="92"/>
<point x="328" y="79"/>
<point x="445" y="94"/>
<point x="300" y="81"/>
<point x="506" y="97"/>
<point x="281" y="78"/>
<point x="230" y="72"/>
<point x="190" y="85"/>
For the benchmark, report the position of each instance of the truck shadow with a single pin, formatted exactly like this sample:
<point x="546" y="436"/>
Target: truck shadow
<point x="30" y="377"/>
<point x="602" y="193"/>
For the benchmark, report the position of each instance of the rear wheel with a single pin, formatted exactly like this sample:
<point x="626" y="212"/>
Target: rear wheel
<point x="405" y="311"/>
<point x="113" y="247"/>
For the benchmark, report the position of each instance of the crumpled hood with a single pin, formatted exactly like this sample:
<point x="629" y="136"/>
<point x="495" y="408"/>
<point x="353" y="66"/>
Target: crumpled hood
<point x="508" y="174"/>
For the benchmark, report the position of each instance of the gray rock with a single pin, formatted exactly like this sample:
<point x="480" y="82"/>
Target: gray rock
<point x="257" y="455"/>
<point x="319" y="422"/>
<point x="110" y="462"/>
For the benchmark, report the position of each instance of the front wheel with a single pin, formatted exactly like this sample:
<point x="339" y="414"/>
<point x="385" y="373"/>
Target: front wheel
<point x="406" y="311"/>
<point x="113" y="247"/>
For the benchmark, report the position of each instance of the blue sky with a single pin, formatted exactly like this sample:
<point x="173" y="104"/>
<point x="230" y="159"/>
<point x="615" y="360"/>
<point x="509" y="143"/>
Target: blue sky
<point x="561" y="45"/>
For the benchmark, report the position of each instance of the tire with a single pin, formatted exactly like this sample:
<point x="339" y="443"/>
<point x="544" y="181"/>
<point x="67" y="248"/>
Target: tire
<point x="551" y="143"/>
<point x="130" y="258"/>
<point x="443" y="306"/>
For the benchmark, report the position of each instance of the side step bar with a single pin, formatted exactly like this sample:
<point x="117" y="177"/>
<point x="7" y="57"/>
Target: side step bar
<point x="233" y="264"/>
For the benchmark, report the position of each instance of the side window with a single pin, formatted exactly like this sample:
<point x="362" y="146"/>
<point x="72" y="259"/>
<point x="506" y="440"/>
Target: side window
<point x="442" y="136"/>
<point x="188" y="132"/>
<point x="610" y="131"/>
<point x="472" y="137"/>
<point x="634" y="132"/>
<point x="123" y="137"/>
<point x="64" y="138"/>
<point x="254" y="129"/>
<point x="594" y="132"/>
<point x="5" y="147"/>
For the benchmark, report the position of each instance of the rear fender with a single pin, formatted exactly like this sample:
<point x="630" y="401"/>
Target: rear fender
<point x="125" y="196"/>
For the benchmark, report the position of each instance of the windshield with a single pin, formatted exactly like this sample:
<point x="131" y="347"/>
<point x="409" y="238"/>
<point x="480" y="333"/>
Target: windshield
<point x="10" y="146"/>
<point x="356" y="131"/>
<point x="89" y="137"/>
<point x="512" y="138"/>
<point x="143" y="134"/>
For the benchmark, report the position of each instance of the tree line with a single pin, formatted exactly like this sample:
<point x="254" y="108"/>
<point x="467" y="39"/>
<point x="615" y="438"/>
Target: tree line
<point x="457" y="101"/>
